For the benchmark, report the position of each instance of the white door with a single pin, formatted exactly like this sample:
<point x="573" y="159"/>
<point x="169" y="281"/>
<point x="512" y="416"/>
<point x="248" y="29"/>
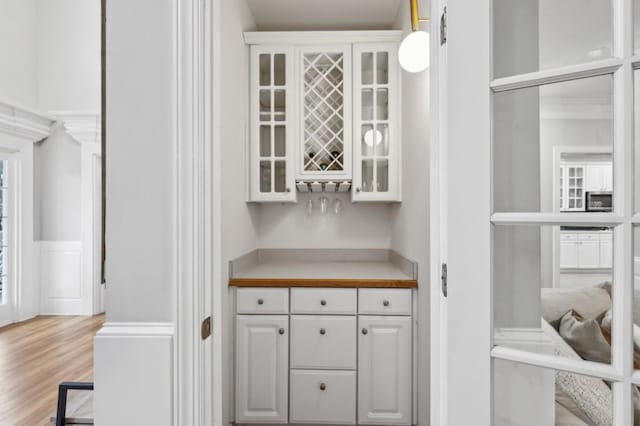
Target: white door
<point x="526" y="78"/>
<point x="384" y="370"/>
<point x="262" y="372"/>
<point x="8" y="296"/>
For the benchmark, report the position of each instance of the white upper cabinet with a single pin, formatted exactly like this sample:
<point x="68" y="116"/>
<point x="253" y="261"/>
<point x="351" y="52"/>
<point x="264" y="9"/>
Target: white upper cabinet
<point x="376" y="123"/>
<point x="325" y="119"/>
<point x="325" y="110"/>
<point x="271" y="172"/>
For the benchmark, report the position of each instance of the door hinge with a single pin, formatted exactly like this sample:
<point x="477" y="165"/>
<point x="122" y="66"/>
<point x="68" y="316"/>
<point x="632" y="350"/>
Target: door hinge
<point x="444" y="280"/>
<point x="443" y="27"/>
<point x="205" y="328"/>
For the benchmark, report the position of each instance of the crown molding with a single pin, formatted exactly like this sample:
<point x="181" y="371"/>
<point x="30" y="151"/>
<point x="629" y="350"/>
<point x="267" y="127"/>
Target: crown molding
<point x="24" y="123"/>
<point x="83" y="126"/>
<point x="321" y="37"/>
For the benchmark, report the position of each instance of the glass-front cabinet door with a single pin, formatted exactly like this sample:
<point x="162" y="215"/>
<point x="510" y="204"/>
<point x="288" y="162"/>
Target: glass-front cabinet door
<point x="271" y="173"/>
<point x="543" y="302"/>
<point x="325" y="113"/>
<point x="376" y="130"/>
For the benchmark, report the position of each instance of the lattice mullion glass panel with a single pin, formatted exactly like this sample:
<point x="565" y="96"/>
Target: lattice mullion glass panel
<point x="323" y="112"/>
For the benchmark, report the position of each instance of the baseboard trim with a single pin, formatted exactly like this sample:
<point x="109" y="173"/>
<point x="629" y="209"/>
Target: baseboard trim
<point x="136" y="329"/>
<point x="134" y="373"/>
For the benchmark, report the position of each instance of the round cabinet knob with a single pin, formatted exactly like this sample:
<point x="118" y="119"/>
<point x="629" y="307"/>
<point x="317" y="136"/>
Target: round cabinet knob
<point x="358" y="189"/>
<point x="288" y="189"/>
<point x="281" y="331"/>
<point x="365" y="331"/>
<point x="323" y="302"/>
<point x="260" y="302"/>
<point x="385" y="303"/>
<point x="323" y="386"/>
<point x="323" y="331"/>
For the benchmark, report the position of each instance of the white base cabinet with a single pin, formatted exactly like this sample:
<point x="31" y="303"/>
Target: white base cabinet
<point x="339" y="356"/>
<point x="262" y="368"/>
<point x="384" y="370"/>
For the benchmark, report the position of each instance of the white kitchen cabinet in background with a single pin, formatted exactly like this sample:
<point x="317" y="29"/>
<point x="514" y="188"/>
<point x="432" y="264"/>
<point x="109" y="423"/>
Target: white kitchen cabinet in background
<point x="599" y="177"/>
<point x="576" y="179"/>
<point x="586" y="250"/>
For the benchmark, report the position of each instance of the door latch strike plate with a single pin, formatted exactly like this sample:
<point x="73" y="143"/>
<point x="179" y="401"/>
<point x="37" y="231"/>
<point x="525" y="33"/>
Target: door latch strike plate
<point x="443" y="27"/>
<point x="444" y="280"/>
<point x="205" y="329"/>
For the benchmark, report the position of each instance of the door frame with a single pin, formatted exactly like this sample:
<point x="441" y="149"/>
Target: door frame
<point x="197" y="381"/>
<point x="438" y="89"/>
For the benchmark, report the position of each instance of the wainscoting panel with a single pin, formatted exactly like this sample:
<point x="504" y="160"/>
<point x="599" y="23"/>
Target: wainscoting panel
<point x="61" y="284"/>
<point x="133" y="372"/>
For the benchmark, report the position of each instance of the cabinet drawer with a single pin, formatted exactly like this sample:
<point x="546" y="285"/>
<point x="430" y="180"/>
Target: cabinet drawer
<point x="384" y="302"/>
<point x="568" y="237"/>
<point x="326" y="301"/>
<point x="263" y="301"/>
<point x="588" y="237"/>
<point x="323" y="342"/>
<point x="327" y="397"/>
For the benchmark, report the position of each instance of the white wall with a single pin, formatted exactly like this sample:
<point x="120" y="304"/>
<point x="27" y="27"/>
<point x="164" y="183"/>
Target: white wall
<point x="17" y="52"/>
<point x="410" y="220"/>
<point x="50" y="54"/>
<point x="356" y="226"/>
<point x="239" y="219"/>
<point x="57" y="188"/>
<point x="68" y="54"/>
<point x="141" y="150"/>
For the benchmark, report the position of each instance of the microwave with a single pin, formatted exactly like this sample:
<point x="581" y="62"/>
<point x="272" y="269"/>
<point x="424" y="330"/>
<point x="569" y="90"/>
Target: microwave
<point x="601" y="201"/>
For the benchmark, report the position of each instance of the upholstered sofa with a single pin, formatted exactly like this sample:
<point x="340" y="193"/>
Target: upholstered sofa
<point x="576" y="322"/>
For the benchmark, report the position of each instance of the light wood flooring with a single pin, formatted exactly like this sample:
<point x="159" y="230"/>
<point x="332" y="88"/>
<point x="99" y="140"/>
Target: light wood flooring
<point x="35" y="356"/>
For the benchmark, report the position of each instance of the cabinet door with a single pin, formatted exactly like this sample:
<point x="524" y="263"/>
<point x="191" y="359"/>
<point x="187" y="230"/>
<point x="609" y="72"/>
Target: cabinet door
<point x="606" y="251"/>
<point x="575" y="188"/>
<point x="568" y="254"/>
<point x="607" y="177"/>
<point x="325" y="108"/>
<point x="594" y="179"/>
<point x="384" y="370"/>
<point x="271" y="130"/>
<point x="262" y="365"/>
<point x="589" y="254"/>
<point x="376" y="132"/>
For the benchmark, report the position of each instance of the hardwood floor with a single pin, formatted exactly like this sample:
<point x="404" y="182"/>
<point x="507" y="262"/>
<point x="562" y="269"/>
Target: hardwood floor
<point x="35" y="356"/>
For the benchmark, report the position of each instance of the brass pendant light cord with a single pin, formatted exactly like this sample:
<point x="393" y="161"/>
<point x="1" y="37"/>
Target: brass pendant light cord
<point x="415" y="16"/>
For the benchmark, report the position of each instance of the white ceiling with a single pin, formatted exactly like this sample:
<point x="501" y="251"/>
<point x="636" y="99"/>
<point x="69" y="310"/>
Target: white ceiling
<point x="280" y="15"/>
